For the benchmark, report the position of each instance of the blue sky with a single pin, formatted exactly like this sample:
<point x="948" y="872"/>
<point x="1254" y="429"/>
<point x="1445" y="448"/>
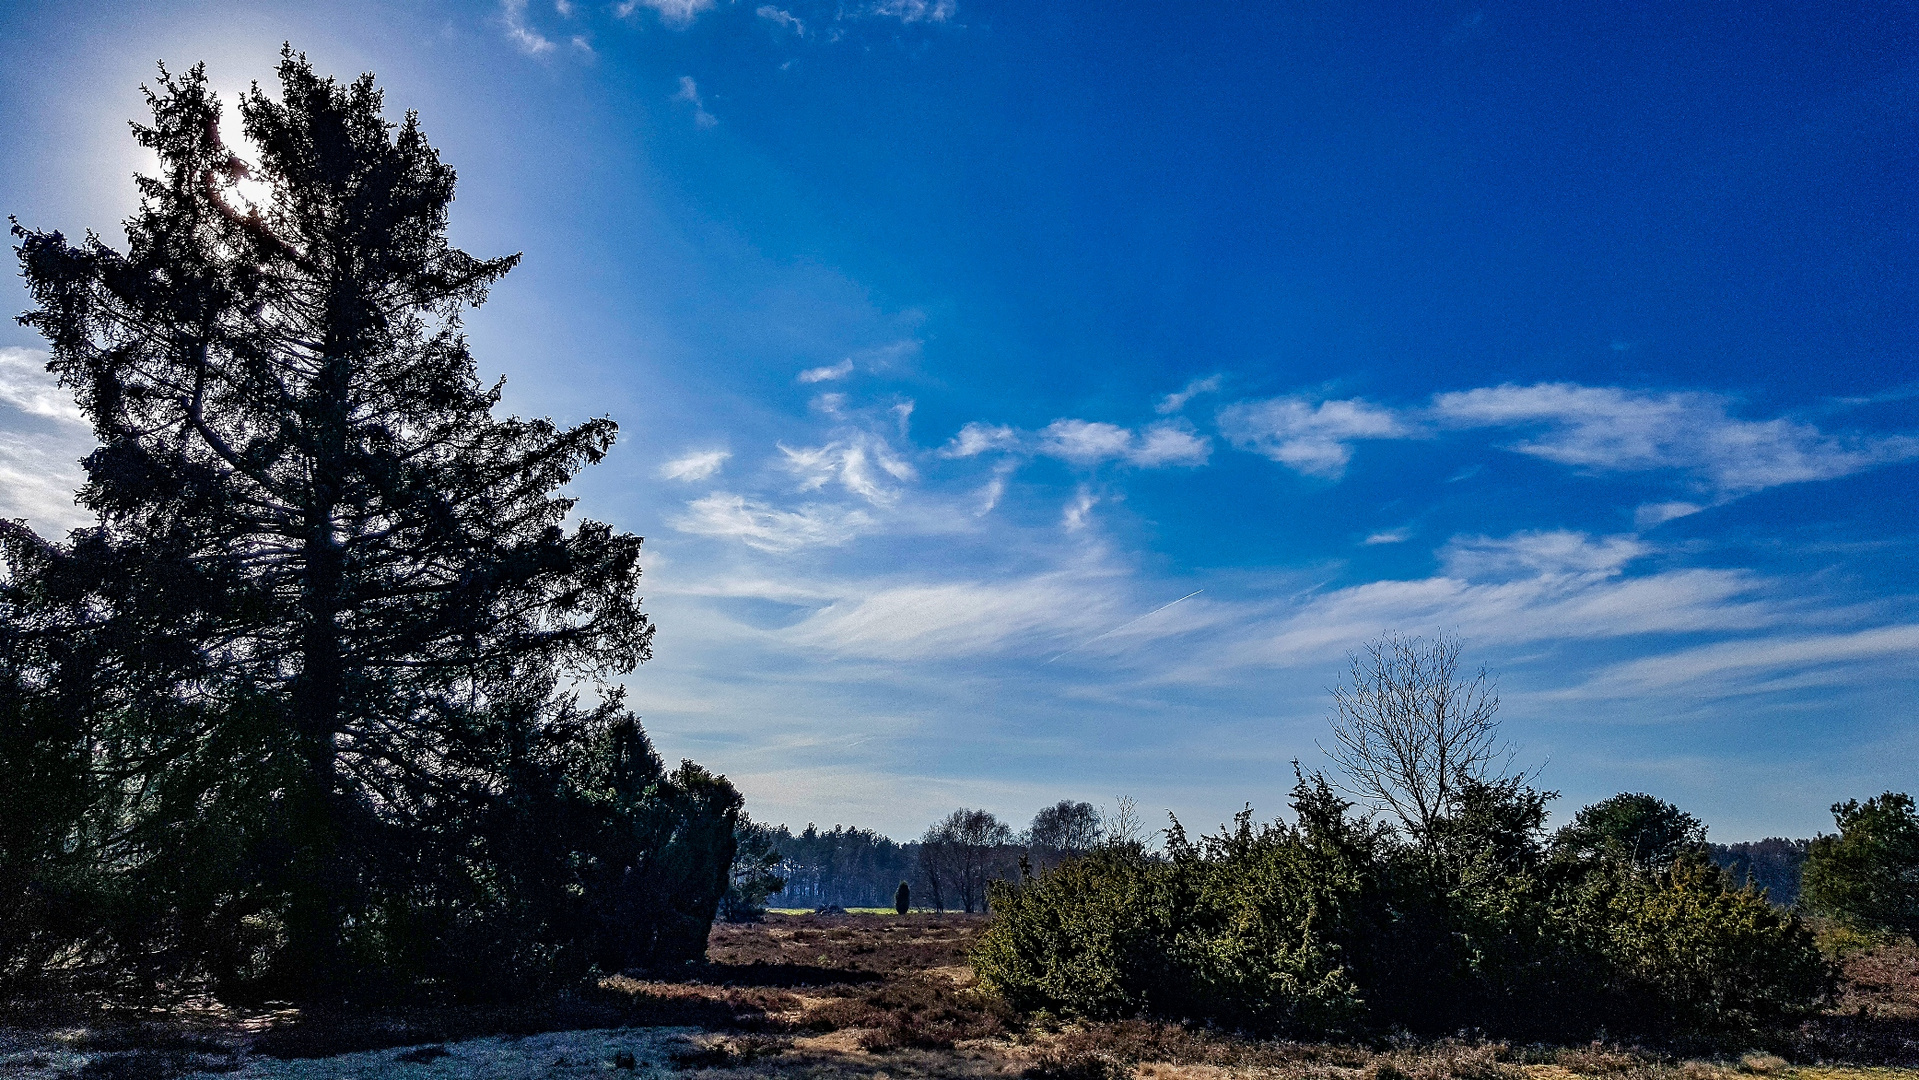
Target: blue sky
<point x="1026" y="401"/>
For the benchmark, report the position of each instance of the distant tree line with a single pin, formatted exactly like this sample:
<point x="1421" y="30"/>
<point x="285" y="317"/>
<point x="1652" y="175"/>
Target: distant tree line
<point x="947" y="869"/>
<point x="1773" y="864"/>
<point x="844" y="866"/>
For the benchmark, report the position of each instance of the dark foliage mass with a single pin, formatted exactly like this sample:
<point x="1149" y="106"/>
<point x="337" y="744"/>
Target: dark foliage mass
<point x="290" y="715"/>
<point x="1634" y="827"/>
<point x="1773" y="864"/>
<point x="1338" y="924"/>
<point x="755" y="873"/>
<point x="1867" y="876"/>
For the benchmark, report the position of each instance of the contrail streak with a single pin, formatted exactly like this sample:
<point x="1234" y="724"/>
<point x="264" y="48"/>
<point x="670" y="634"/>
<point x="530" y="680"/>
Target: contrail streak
<point x="1124" y="625"/>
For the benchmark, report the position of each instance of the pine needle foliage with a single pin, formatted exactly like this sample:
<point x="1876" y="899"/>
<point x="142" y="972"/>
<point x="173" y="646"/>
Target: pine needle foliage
<point x="308" y="662"/>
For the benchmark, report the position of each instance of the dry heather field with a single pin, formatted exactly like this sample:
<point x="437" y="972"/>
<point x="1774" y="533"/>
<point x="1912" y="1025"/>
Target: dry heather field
<point x="873" y="997"/>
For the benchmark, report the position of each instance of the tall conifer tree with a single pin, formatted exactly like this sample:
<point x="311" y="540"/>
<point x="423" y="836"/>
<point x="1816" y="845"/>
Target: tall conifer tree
<point x="306" y="501"/>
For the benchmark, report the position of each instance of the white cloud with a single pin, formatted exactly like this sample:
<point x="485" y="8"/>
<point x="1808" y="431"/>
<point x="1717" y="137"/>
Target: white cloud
<point x="823" y="374"/>
<point x="695" y="465"/>
<point x="38" y="477"/>
<point x="40" y="466"/>
<point x="990" y="495"/>
<point x="1312" y="439"/>
<point x="1651" y="514"/>
<point x="853" y="462"/>
<point x="959" y="619"/>
<point x="767" y="528"/>
<point x="1538" y="554"/>
<point x="1514" y="609"/>
<point x="912" y="11"/>
<point x="1389" y="536"/>
<point x="529" y="40"/>
<point x="27" y="385"/>
<point x="672" y="12"/>
<point x="1170" y="443"/>
<point x="1176" y="401"/>
<point x="1799" y="660"/>
<point x="1610" y="429"/>
<point x="690" y="93"/>
<point x="1085" y="442"/>
<point x="977" y="438"/>
<point x="1089" y="442"/>
<point x="783" y="18"/>
<point x="1075" y="516"/>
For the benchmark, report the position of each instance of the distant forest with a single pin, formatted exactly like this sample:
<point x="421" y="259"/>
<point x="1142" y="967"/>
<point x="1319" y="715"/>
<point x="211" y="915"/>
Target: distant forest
<point x="854" y="867"/>
<point x="1773" y="864"/>
<point x="848" y="866"/>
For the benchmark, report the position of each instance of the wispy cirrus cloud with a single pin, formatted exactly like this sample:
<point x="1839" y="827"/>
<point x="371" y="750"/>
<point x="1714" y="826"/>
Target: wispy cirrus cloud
<point x="857" y="463"/>
<point x="523" y="36"/>
<point x="695" y="465"/>
<point x="1086" y="442"/>
<point x="977" y="438"/>
<point x="40" y="445"/>
<point x="828" y="373"/>
<point x="1314" y="439"/>
<point x="677" y="13"/>
<point x="1764" y="665"/>
<point x="27" y="385"/>
<point x="1608" y="429"/>
<point x="903" y="622"/>
<point x="782" y="17"/>
<point x="768" y="528"/>
<point x="912" y="11"/>
<point x="1602" y="429"/>
<point x="1538" y="553"/>
<point x="689" y="92"/>
<point x="1177" y="400"/>
<point x="1078" y="510"/>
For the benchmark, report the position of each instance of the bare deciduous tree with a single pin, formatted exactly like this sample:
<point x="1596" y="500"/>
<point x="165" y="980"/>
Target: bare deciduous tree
<point x="960" y="854"/>
<point x="1126" y="827"/>
<point x="1409" y="727"/>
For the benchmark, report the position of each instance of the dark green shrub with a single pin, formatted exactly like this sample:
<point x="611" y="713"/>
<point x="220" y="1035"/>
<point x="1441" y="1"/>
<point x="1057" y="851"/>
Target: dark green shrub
<point x="1644" y="830"/>
<point x="1867" y="877"/>
<point x="1242" y="928"/>
<point x="1683" y="952"/>
<point x="1087" y="938"/>
<point x="1333" y="924"/>
<point x="903" y="898"/>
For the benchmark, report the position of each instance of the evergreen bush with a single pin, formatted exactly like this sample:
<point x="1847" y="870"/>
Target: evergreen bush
<point x="1336" y="925"/>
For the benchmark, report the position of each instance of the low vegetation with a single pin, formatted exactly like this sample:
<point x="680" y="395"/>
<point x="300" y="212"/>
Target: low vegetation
<point x="825" y="997"/>
<point x="1335" y="926"/>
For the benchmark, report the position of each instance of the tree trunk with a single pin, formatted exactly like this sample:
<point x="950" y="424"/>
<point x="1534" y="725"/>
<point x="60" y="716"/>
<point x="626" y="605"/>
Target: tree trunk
<point x="322" y="877"/>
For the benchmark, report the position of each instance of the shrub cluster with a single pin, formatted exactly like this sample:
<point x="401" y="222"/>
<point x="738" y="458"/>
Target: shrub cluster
<point x="588" y="854"/>
<point x="1335" y="924"/>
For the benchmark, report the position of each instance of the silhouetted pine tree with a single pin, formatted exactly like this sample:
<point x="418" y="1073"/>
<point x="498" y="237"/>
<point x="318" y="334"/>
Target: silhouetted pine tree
<point x="331" y="594"/>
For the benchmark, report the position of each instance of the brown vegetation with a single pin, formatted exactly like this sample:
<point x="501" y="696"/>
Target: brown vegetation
<point x="813" y="998"/>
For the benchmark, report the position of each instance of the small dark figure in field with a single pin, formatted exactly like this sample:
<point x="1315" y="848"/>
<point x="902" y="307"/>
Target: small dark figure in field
<point x="903" y="899"/>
